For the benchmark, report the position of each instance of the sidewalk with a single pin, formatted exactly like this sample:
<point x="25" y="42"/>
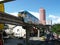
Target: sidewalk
<point x="38" y="38"/>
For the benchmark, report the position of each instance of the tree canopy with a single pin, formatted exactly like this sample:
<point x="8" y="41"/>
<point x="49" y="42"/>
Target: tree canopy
<point x="56" y="28"/>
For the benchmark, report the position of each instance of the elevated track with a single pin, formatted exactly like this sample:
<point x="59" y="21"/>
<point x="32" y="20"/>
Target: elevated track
<point x="10" y="19"/>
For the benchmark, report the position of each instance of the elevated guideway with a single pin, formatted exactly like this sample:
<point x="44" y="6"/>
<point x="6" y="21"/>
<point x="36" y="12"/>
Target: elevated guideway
<point x="10" y="19"/>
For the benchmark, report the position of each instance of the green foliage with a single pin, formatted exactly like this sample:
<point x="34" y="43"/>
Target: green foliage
<point x="56" y="28"/>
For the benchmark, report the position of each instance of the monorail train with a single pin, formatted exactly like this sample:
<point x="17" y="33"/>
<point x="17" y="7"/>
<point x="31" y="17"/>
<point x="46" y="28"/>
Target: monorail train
<point x="28" y="17"/>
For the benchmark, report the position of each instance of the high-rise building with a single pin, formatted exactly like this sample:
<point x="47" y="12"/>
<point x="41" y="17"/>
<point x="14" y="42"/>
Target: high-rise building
<point x="42" y="16"/>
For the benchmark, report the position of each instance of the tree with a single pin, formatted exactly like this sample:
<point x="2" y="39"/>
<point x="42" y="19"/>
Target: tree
<point x="56" y="28"/>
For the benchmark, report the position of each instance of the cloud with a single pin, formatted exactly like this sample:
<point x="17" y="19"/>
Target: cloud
<point x="14" y="14"/>
<point x="54" y="18"/>
<point x="36" y="14"/>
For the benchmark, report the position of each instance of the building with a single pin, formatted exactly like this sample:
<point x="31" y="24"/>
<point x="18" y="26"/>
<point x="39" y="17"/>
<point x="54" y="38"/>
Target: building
<point x="42" y="16"/>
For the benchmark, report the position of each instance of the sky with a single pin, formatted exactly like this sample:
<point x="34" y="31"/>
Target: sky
<point x="52" y="8"/>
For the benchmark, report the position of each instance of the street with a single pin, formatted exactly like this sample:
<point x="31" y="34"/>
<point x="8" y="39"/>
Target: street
<point x="16" y="41"/>
<point x="13" y="41"/>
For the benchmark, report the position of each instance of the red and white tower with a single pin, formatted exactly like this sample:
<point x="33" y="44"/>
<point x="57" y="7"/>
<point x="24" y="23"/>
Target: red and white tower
<point x="42" y="16"/>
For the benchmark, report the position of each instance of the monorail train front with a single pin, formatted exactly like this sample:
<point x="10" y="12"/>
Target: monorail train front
<point x="28" y="17"/>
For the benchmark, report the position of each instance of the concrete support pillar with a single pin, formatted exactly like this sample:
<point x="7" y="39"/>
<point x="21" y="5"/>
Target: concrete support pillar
<point x="27" y="37"/>
<point x="38" y="33"/>
<point x="27" y="34"/>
